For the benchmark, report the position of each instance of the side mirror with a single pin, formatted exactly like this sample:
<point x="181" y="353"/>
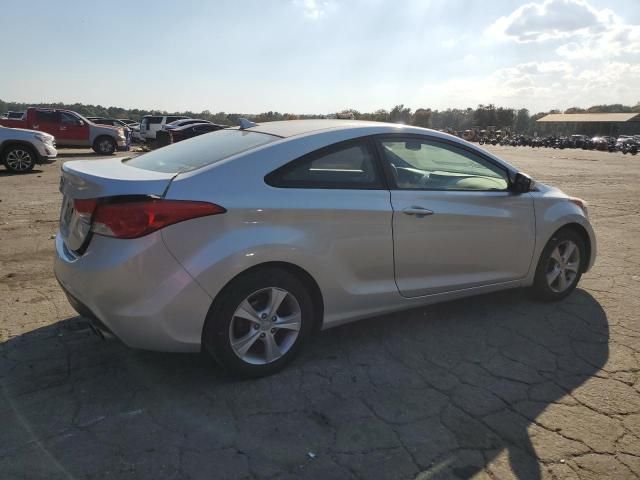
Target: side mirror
<point x="521" y="183"/>
<point x="81" y="123"/>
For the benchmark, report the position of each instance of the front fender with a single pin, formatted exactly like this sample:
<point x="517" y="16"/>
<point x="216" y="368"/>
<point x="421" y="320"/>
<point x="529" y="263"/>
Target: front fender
<point x="554" y="213"/>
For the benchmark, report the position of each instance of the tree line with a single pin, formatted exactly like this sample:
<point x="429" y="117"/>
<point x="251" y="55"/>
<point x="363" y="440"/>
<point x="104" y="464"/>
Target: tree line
<point x="451" y="119"/>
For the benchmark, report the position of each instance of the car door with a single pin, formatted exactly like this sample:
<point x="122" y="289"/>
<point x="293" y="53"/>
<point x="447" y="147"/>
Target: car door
<point x="72" y="130"/>
<point x="455" y="223"/>
<point x="337" y="201"/>
<point x="47" y="121"/>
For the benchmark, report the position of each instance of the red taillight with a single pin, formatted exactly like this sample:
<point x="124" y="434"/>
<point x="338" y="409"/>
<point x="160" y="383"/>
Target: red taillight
<point x="85" y="207"/>
<point x="136" y="219"/>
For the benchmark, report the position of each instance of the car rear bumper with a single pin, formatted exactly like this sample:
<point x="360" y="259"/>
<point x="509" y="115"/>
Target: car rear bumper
<point x="134" y="290"/>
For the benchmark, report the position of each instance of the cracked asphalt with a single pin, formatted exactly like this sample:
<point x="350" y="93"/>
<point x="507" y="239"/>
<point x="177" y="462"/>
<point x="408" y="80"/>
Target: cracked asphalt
<point x="493" y="387"/>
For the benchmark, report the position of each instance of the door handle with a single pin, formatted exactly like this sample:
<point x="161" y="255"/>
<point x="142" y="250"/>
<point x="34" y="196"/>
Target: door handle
<point x="63" y="128"/>
<point x="417" y="211"/>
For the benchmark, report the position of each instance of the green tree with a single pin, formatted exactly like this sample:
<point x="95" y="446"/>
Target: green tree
<point x="400" y="114"/>
<point x="422" y="117"/>
<point x="522" y="122"/>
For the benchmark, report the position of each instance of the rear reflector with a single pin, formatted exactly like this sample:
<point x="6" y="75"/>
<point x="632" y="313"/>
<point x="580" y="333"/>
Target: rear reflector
<point x="136" y="219"/>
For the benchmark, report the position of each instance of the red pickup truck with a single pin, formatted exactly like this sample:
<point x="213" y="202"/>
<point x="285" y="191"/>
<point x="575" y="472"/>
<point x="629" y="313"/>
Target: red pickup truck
<point x="71" y="129"/>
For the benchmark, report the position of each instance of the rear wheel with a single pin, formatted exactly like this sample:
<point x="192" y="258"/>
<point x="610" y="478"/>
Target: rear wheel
<point x="260" y="323"/>
<point x="104" y="145"/>
<point x="560" y="266"/>
<point x="19" y="159"/>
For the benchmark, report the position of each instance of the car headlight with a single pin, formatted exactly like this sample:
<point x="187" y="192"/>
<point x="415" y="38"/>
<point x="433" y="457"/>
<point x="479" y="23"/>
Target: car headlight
<point x="43" y="138"/>
<point x="580" y="203"/>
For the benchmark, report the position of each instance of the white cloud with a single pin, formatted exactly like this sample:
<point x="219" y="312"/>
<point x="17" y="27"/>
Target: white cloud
<point x="552" y="19"/>
<point x="313" y="9"/>
<point x="539" y="86"/>
<point x="577" y="29"/>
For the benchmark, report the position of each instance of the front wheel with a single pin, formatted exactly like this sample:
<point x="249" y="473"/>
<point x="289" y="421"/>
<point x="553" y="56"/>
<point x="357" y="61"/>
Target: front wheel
<point x="260" y="323"/>
<point x="19" y="159"/>
<point x="560" y="266"/>
<point x="104" y="146"/>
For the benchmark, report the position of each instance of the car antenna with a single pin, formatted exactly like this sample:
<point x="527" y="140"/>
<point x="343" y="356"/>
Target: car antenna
<point x="245" y="123"/>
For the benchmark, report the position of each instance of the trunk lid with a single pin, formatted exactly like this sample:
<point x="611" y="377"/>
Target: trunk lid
<point x="99" y="179"/>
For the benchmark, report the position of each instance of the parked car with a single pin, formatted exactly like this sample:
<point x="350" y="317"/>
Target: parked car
<point x="166" y="137"/>
<point x="114" y="122"/>
<point x="150" y="124"/>
<point x="182" y="123"/>
<point x="604" y="143"/>
<point x="71" y="129"/>
<point x="628" y="145"/>
<point x="622" y="139"/>
<point x="14" y="115"/>
<point x="21" y="150"/>
<point x="135" y="133"/>
<point x="246" y="241"/>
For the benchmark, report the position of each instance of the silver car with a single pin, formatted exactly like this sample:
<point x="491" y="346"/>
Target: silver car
<point x="247" y="241"/>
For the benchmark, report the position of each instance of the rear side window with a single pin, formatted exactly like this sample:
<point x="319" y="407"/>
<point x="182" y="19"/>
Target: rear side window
<point x="152" y="120"/>
<point x="348" y="165"/>
<point x="200" y="151"/>
<point x="205" y="128"/>
<point x="46" y="116"/>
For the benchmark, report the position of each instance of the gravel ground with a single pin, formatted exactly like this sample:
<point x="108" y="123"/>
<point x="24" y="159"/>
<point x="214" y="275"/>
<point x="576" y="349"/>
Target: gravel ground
<point x="491" y="387"/>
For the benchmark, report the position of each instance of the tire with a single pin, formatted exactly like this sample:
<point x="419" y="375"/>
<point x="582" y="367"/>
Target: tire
<point x="104" y="145"/>
<point x="19" y="159"/>
<point x="228" y="321"/>
<point x="553" y="260"/>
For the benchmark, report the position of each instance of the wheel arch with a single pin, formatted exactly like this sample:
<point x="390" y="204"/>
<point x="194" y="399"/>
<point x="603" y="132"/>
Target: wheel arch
<point x="582" y="232"/>
<point x="6" y="145"/>
<point x="299" y="272"/>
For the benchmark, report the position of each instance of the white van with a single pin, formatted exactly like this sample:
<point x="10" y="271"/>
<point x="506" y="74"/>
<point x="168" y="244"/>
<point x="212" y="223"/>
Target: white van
<point x="150" y="124"/>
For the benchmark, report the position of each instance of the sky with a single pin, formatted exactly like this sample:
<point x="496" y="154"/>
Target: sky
<point x="321" y="56"/>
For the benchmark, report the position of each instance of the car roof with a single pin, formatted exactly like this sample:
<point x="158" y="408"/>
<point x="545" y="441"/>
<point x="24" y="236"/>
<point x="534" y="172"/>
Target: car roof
<point x="291" y="128"/>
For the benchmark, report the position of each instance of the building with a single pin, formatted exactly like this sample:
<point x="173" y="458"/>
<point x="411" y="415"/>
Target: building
<point x="612" y="124"/>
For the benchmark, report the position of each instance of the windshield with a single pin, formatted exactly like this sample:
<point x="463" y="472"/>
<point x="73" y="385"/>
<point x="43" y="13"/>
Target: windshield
<point x="200" y="151"/>
<point x="85" y="119"/>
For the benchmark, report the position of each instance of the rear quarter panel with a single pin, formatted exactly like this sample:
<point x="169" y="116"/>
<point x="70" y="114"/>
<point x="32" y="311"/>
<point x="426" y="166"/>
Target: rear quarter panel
<point x="342" y="238"/>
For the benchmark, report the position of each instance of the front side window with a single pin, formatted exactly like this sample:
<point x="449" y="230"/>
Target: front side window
<point x="420" y="164"/>
<point x="349" y="166"/>
<point x="68" y="119"/>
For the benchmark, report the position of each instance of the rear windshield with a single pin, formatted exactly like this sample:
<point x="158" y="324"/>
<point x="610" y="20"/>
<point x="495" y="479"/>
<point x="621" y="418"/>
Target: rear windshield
<point x="200" y="151"/>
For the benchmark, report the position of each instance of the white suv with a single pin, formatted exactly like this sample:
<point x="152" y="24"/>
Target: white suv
<point x="21" y="149"/>
<point x="150" y="124"/>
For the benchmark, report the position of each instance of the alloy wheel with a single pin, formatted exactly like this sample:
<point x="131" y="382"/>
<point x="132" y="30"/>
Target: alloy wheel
<point x="19" y="160"/>
<point x="105" y="146"/>
<point x="265" y="326"/>
<point x="563" y="266"/>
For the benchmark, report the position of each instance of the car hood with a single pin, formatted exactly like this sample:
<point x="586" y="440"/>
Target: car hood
<point x="105" y="129"/>
<point x="24" y="132"/>
<point x="549" y="190"/>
